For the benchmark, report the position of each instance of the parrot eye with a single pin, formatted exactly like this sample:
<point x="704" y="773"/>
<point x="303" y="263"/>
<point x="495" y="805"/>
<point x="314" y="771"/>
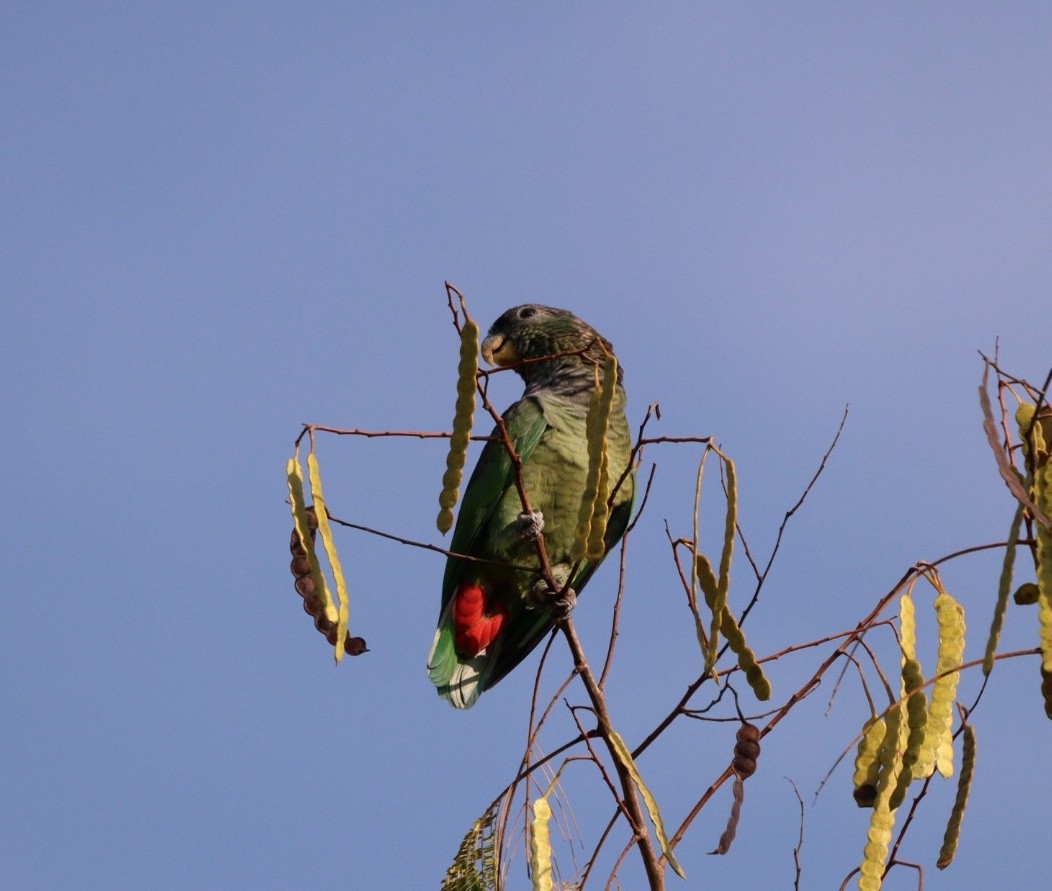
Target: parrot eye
<point x="526" y="312"/>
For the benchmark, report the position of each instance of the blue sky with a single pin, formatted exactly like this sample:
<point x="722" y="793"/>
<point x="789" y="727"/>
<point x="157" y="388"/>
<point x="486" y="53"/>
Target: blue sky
<point x="222" y="220"/>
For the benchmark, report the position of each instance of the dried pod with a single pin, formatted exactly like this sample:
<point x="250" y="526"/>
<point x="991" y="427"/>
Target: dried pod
<point x="305" y="587"/>
<point x="727" y="838"/>
<point x="746" y="750"/>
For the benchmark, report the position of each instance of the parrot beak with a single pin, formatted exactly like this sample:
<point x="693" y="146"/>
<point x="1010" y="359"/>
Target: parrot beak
<point x="497" y="350"/>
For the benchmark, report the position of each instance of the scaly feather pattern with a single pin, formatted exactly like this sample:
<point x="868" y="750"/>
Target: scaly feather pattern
<point x="490" y="618"/>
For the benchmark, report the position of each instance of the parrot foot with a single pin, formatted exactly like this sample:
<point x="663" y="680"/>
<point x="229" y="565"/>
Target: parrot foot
<point x="559" y="603"/>
<point x="530" y="525"/>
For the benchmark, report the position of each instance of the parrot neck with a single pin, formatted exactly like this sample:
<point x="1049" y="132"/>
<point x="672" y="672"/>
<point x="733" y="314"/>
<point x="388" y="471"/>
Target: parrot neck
<point x="573" y="381"/>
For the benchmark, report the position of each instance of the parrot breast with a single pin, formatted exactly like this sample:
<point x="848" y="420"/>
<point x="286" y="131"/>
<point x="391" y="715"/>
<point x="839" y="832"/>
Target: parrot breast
<point x="473" y="628"/>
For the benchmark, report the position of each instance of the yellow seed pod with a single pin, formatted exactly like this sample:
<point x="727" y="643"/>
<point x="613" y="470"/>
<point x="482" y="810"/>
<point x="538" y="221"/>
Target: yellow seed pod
<point x="1044" y="607"/>
<point x="541" y="845"/>
<point x="619" y="747"/>
<point x="889" y="790"/>
<point x="1033" y="434"/>
<point x="1043" y="497"/>
<point x="882" y="820"/>
<point x="595" y="546"/>
<point x="1003" y="586"/>
<point x="907" y="627"/>
<point x="692" y="604"/>
<point x="597" y="420"/>
<point x="463" y="418"/>
<point x="950" y="616"/>
<point x="964" y="786"/>
<point x="867" y="765"/>
<point x="918" y="758"/>
<point x="325" y="531"/>
<point x="875" y="854"/>
<point x="706" y="579"/>
<point x="729" y="529"/>
<point x="732" y="632"/>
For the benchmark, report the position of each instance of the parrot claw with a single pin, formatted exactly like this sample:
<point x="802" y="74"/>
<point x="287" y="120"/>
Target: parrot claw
<point x="530" y="525"/>
<point x="559" y="603"/>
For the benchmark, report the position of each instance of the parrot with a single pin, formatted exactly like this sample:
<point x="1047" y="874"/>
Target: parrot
<point x="493" y="614"/>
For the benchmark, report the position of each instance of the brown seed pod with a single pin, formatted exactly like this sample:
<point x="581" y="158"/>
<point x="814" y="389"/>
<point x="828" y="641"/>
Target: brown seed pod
<point x="746" y="750"/>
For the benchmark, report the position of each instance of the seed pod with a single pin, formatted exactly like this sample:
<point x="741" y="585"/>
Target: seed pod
<point x="719" y="603"/>
<point x="463" y="418"/>
<point x="305" y="586"/>
<point x="541" y="845"/>
<point x="746" y="750"/>
<point x="950" y="616"/>
<point x="727" y="839"/>
<point x="732" y="633"/>
<point x="878" y="838"/>
<point x="882" y="820"/>
<point x="596" y="546"/>
<point x="593" y="514"/>
<point x="1046" y="691"/>
<point x="1035" y="434"/>
<point x="306" y="525"/>
<point x="1043" y="497"/>
<point x="620" y="749"/>
<point x="1003" y="586"/>
<point x="964" y="785"/>
<point x="867" y="765"/>
<point x="918" y="759"/>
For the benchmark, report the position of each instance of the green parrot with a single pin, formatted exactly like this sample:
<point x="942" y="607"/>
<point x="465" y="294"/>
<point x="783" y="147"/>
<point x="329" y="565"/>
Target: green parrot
<point x="493" y="614"/>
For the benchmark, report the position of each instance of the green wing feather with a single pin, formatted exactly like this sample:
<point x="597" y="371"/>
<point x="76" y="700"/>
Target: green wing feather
<point x="492" y="477"/>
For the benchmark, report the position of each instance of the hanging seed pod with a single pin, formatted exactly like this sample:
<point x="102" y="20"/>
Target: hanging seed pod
<point x="727" y="838"/>
<point x="312" y="604"/>
<point x="463" y="418"/>
<point x="964" y="786"/>
<point x="1043" y="497"/>
<point x="541" y="845"/>
<point x="596" y="544"/>
<point x="950" y="616"/>
<point x="882" y="820"/>
<point x="867" y="764"/>
<point x="592" y="516"/>
<point x="1004" y="584"/>
<point x="1046" y="691"/>
<point x="746" y="750"/>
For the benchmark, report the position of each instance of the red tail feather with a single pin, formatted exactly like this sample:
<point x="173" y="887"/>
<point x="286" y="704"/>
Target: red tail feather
<point x="473" y="628"/>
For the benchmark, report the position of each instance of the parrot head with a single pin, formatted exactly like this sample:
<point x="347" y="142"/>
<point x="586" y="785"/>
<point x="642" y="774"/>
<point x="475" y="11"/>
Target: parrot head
<point x="531" y="332"/>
